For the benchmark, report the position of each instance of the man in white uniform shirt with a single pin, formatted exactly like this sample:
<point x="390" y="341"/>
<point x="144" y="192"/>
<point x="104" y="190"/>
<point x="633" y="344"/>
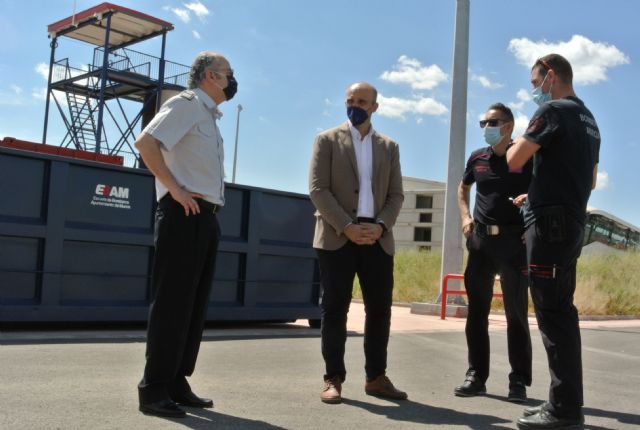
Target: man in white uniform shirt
<point x="183" y="148"/>
<point x="355" y="184"/>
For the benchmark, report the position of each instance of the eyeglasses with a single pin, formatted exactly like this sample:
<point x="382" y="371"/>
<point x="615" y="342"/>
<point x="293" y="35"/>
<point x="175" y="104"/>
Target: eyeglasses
<point x="491" y="122"/>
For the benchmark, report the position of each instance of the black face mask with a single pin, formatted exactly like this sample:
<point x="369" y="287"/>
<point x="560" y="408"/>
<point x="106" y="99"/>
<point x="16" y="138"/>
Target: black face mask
<point x="232" y="87"/>
<point x="357" y="115"/>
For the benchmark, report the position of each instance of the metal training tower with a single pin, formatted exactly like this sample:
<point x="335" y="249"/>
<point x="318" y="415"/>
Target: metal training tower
<point x="86" y="97"/>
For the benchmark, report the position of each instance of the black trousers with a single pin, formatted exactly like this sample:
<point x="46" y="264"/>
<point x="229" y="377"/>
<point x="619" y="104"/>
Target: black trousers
<point x="183" y="269"/>
<point x="505" y="255"/>
<point x="553" y="247"/>
<point x="374" y="268"/>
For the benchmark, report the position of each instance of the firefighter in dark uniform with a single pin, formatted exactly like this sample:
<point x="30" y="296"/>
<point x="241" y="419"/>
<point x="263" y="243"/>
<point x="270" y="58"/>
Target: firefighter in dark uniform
<point x="494" y="241"/>
<point x="564" y="140"/>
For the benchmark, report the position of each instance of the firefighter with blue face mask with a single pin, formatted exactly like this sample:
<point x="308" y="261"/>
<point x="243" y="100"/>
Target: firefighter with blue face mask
<point x="495" y="247"/>
<point x="563" y="139"/>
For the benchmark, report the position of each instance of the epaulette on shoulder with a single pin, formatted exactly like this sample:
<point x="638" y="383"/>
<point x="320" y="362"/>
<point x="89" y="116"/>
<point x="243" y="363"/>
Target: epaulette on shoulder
<point x="187" y="94"/>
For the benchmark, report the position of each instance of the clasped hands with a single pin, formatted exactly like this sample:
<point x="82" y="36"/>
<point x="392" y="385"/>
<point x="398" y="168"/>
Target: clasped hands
<point x="364" y="233"/>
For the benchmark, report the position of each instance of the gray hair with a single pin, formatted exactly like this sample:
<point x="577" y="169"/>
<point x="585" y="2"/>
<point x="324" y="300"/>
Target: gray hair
<point x="203" y="61"/>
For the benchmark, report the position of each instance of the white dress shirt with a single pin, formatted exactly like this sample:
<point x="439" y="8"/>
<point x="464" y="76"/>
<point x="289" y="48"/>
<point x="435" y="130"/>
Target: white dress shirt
<point x="364" y="158"/>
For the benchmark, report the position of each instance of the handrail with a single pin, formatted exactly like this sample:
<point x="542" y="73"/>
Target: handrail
<point x="445" y="291"/>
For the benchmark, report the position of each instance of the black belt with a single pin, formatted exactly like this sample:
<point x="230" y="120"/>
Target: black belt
<point x="202" y="204"/>
<point x="208" y="206"/>
<point x="495" y="230"/>
<point x="362" y="219"/>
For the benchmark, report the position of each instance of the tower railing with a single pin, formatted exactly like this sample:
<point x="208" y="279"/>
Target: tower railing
<point x="129" y="60"/>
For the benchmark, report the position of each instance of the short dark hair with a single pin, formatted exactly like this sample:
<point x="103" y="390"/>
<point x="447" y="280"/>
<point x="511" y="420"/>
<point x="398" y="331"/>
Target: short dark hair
<point x="556" y="62"/>
<point x="502" y="108"/>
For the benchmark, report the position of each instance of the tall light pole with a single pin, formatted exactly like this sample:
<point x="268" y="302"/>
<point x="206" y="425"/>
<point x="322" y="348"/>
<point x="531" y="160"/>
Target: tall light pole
<point x="452" y="241"/>
<point x="235" y="148"/>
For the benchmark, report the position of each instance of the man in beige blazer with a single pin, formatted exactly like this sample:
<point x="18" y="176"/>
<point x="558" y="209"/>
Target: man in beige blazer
<point x="355" y="184"/>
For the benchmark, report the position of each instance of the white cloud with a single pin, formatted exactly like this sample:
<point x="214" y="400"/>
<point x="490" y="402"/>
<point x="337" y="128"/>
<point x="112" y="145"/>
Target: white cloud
<point x="486" y="82"/>
<point x="329" y="102"/>
<point x="43" y="70"/>
<point x="196" y="34"/>
<point x="516" y="106"/>
<point x="16" y="89"/>
<point x="182" y="14"/>
<point x="602" y="180"/>
<point x="522" y="95"/>
<point x="198" y="9"/>
<point x="411" y="71"/>
<point x="590" y="60"/>
<point x="521" y="122"/>
<point x="394" y="107"/>
<point x="39" y="93"/>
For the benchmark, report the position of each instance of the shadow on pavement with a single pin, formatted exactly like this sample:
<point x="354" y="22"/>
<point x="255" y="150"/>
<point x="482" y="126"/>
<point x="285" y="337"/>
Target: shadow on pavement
<point x="414" y="412"/>
<point x="200" y="419"/>
<point x="621" y="417"/>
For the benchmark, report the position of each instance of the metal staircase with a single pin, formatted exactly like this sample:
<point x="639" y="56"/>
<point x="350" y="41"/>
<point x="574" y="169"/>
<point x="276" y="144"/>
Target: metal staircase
<point x="83" y="130"/>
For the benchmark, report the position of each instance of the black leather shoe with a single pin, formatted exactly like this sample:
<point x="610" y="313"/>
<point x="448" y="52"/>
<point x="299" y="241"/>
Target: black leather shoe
<point x="471" y="387"/>
<point x="162" y="408"/>
<point x="546" y="420"/>
<point x="532" y="410"/>
<point x="192" y="400"/>
<point x="517" y="392"/>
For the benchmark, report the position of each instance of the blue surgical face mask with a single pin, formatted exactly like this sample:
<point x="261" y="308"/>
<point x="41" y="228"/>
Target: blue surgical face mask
<point x="492" y="135"/>
<point x="357" y="115"/>
<point x="538" y="96"/>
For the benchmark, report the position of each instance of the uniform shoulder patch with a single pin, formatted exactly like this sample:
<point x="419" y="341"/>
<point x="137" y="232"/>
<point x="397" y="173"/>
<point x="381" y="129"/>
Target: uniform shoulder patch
<point x="187" y="94"/>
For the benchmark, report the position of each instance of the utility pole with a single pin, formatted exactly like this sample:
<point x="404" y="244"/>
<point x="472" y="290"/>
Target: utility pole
<point x="235" y="148"/>
<point x="452" y="242"/>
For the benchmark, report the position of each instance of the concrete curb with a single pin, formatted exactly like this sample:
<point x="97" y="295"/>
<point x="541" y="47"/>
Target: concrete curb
<point x="455" y="311"/>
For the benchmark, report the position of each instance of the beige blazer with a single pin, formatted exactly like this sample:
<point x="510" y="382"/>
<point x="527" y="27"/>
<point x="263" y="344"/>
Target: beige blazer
<point x="334" y="184"/>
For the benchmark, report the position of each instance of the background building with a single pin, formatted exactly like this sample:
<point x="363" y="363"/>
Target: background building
<point x="421" y="220"/>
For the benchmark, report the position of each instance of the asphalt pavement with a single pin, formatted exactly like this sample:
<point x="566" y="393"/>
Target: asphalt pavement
<point x="269" y="376"/>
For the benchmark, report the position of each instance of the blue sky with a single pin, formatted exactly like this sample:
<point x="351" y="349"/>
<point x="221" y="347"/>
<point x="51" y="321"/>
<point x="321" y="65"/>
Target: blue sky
<point x="293" y="60"/>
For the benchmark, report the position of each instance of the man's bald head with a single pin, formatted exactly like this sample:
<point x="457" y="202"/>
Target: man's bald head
<point x="364" y="86"/>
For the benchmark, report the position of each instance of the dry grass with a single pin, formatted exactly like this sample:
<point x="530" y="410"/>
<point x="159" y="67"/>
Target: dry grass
<point x="609" y="284"/>
<point x="416" y="277"/>
<point x="606" y="284"/>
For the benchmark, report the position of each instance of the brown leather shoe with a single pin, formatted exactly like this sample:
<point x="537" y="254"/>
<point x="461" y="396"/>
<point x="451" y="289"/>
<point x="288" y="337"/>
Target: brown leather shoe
<point x="331" y="392"/>
<point x="382" y="387"/>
